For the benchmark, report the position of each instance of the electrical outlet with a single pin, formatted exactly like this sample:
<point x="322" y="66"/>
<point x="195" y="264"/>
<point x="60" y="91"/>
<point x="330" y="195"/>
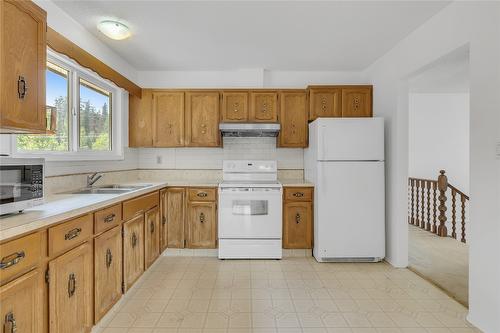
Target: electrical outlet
<point x="159" y="159"/>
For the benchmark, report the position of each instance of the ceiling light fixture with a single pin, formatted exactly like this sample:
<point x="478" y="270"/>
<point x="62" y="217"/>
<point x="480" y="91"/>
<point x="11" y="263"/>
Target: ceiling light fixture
<point x="114" y="29"/>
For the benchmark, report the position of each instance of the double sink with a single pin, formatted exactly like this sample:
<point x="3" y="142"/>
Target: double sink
<point x="109" y="189"/>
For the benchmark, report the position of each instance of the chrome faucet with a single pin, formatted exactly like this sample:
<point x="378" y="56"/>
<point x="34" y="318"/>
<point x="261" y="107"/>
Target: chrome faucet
<point x="91" y="179"/>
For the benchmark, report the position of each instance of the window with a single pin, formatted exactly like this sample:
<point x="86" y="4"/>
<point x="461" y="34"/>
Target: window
<point x="84" y="112"/>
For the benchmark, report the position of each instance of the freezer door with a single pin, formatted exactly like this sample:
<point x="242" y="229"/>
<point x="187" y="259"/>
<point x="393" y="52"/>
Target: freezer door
<point x="350" y="139"/>
<point x="350" y="212"/>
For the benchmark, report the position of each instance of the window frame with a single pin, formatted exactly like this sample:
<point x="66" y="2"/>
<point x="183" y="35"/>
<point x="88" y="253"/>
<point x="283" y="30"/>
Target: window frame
<point x="75" y="72"/>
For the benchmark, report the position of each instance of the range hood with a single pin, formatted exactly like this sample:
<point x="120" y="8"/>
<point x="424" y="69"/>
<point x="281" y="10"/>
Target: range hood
<point x="247" y="130"/>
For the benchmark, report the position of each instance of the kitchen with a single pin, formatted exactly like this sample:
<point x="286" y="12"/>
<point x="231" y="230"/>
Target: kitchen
<point x="194" y="192"/>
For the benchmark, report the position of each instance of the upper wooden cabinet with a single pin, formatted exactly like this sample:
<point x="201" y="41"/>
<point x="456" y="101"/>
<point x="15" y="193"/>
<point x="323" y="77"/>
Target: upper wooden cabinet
<point x="234" y="106"/>
<point x="140" y="120"/>
<point x="293" y="119"/>
<point x="325" y="102"/>
<point x="23" y="53"/>
<point x="263" y="106"/>
<point x="168" y="119"/>
<point x="21" y="305"/>
<point x="357" y="102"/>
<point x="202" y="119"/>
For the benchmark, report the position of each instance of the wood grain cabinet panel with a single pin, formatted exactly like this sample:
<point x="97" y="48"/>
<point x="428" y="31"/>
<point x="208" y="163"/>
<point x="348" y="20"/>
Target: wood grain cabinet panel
<point x="202" y="119"/>
<point x="298" y="194"/>
<point x="357" y="102"/>
<point x="107" y="218"/>
<point x="107" y="271"/>
<point x="151" y="236"/>
<point x="325" y="102"/>
<point x="293" y="119"/>
<point x="202" y="194"/>
<point x="69" y="234"/>
<point x="71" y="291"/>
<point x="234" y="106"/>
<point x="202" y="225"/>
<point x="21" y="304"/>
<point x="175" y="203"/>
<point x="23" y="50"/>
<point x="133" y="250"/>
<point x="297" y="226"/>
<point x="19" y="256"/>
<point x="163" y="220"/>
<point x="263" y="107"/>
<point x="140" y="120"/>
<point x="168" y="119"/>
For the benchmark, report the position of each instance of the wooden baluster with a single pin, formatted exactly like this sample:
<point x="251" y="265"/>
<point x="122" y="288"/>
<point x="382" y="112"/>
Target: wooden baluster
<point x="442" y="187"/>
<point x="453" y="214"/>
<point x="462" y="199"/>
<point x="412" y="201"/>
<point x="434" y="218"/>
<point x="417" y="182"/>
<point x="422" y="211"/>
<point x="428" y="225"/>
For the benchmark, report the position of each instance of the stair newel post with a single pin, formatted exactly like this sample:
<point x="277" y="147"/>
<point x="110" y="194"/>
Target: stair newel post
<point x="442" y="187"/>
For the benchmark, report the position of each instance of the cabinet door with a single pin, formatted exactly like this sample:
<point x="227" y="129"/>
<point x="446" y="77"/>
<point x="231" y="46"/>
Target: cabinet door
<point x="324" y="103"/>
<point x="20" y="304"/>
<point x="175" y="217"/>
<point x="202" y="225"/>
<point x="297" y="229"/>
<point x="107" y="271"/>
<point x="168" y="119"/>
<point x="293" y="119"/>
<point x="152" y="236"/>
<point x="264" y="107"/>
<point x="357" y="102"/>
<point x="133" y="250"/>
<point x="70" y="291"/>
<point x="163" y="220"/>
<point x="140" y="120"/>
<point x="234" y="106"/>
<point x="202" y="119"/>
<point x="23" y="52"/>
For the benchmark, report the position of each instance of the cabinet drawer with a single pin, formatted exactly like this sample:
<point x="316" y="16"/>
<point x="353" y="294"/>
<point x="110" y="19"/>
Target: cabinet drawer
<point x="19" y="256"/>
<point x="69" y="234"/>
<point x="298" y="193"/>
<point x="143" y="203"/>
<point x="107" y="218"/>
<point x="202" y="194"/>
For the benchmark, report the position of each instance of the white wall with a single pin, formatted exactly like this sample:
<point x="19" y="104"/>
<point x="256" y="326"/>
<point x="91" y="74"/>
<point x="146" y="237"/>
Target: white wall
<point x="439" y="137"/>
<point x="476" y="24"/>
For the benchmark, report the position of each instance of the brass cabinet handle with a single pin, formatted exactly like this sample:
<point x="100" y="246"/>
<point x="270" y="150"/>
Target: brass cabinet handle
<point x="109" y="258"/>
<point x="73" y="233"/>
<point x="202" y="217"/>
<point x="202" y="194"/>
<point x="152" y="226"/>
<point x="298" y="194"/>
<point x="164" y="220"/>
<point x="11" y="259"/>
<point x="71" y="284"/>
<point x="22" y="88"/>
<point x="10" y="323"/>
<point x="134" y="239"/>
<point x="109" y="218"/>
<point x="297" y="218"/>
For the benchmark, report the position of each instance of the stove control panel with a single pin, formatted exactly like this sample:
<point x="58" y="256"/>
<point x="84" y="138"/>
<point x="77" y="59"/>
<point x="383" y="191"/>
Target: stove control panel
<point x="249" y="166"/>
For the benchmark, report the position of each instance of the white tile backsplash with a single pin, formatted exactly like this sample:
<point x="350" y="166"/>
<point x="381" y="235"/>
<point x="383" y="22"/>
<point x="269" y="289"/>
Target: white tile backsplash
<point x="211" y="158"/>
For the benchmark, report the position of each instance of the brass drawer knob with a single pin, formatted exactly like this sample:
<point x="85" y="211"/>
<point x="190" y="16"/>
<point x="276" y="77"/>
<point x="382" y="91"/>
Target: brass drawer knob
<point x="134" y="239"/>
<point x="109" y="218"/>
<point x="73" y="233"/>
<point x="298" y="194"/>
<point x="202" y="217"/>
<point x="11" y="259"/>
<point x="202" y="194"/>
<point x="10" y="323"/>
<point x="109" y="258"/>
<point x="297" y="218"/>
<point x="71" y="284"/>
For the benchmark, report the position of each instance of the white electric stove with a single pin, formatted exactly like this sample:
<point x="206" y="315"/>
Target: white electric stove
<point x="250" y="210"/>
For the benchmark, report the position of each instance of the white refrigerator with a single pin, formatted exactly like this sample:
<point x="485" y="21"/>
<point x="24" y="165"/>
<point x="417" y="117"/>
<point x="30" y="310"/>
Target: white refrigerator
<point x="345" y="161"/>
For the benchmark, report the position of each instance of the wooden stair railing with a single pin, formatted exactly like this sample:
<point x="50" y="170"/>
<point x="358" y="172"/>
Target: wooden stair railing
<point x="423" y="197"/>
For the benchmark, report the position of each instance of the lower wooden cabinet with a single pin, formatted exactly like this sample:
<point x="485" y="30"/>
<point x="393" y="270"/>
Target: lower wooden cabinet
<point x="202" y="225"/>
<point x="133" y="250"/>
<point x="70" y="291"/>
<point x="151" y="236"/>
<point x="21" y="304"/>
<point x="107" y="271"/>
<point x="175" y="216"/>
<point x="298" y="218"/>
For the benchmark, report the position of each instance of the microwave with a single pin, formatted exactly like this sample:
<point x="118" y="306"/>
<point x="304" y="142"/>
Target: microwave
<point x="21" y="183"/>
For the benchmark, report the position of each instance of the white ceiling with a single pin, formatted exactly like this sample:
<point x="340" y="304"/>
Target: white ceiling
<point x="273" y="35"/>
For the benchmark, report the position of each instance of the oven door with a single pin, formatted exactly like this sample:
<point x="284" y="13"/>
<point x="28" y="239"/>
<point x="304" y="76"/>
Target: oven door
<point x="250" y="213"/>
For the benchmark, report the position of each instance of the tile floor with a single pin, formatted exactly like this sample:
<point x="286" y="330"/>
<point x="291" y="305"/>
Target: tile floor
<point x="203" y="294"/>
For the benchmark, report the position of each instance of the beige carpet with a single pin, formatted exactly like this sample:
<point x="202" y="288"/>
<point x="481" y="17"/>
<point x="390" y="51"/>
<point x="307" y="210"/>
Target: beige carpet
<point x="442" y="260"/>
